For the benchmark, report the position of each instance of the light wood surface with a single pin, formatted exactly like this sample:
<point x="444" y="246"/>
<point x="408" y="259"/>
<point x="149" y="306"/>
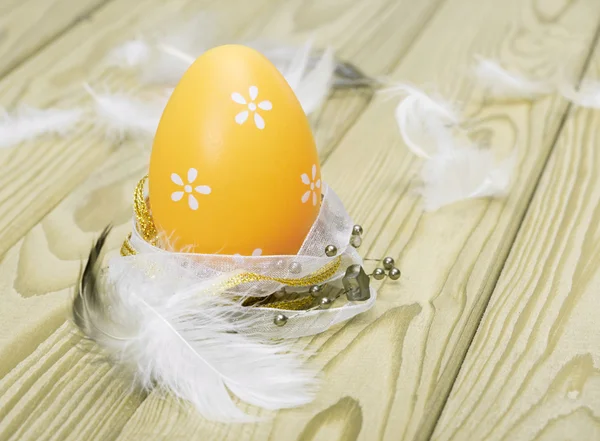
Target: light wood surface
<point x="533" y="370"/>
<point x="387" y="373"/>
<point x="28" y="26"/>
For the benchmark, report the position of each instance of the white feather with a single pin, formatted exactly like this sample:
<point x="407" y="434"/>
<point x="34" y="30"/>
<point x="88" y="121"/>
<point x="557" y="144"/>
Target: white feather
<point x="154" y="65"/>
<point x="121" y="115"/>
<point x="426" y="124"/>
<point x="130" y="54"/>
<point x="292" y="63"/>
<point x="588" y="94"/>
<point x="28" y="123"/>
<point x="501" y="83"/>
<point x="190" y="339"/>
<point x="311" y="86"/>
<point x="463" y="173"/>
<point x="192" y="37"/>
<point x="166" y="60"/>
<point x="309" y="76"/>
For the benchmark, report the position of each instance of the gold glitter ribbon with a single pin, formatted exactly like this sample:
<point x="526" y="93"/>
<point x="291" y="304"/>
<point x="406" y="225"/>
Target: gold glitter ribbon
<point x="317" y="278"/>
<point x="147" y="229"/>
<point x="143" y="217"/>
<point x="127" y="249"/>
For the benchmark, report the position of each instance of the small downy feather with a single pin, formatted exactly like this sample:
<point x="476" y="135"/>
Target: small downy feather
<point x="132" y="53"/>
<point x="186" y="339"/>
<point x="309" y="74"/>
<point x="500" y="83"/>
<point x="463" y="173"/>
<point x="28" y="123"/>
<point x="311" y="84"/>
<point x="122" y="115"/>
<point x="454" y="169"/>
<point x="426" y="123"/>
<point x="588" y="94"/>
<point x="155" y="66"/>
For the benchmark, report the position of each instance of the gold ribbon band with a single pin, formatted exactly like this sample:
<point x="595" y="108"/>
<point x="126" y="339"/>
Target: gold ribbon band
<point x="320" y="276"/>
<point x="143" y="217"/>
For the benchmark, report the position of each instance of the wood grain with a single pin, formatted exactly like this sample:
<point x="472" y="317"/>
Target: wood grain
<point x="533" y="370"/>
<point x="390" y="370"/>
<point x="78" y="57"/>
<point x="26" y="27"/>
<point x="36" y="397"/>
<point x="38" y="272"/>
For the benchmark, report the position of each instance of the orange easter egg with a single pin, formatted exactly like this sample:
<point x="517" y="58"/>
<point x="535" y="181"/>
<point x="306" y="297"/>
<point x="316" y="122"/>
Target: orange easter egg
<point x="234" y="167"/>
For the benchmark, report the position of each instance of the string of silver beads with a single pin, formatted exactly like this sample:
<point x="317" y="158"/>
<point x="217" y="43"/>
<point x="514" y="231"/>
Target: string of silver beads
<point x="388" y="270"/>
<point x="388" y="265"/>
<point x="356" y="237"/>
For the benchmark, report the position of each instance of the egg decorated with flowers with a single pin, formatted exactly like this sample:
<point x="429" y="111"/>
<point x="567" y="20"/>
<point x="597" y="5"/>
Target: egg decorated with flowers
<point x="234" y="168"/>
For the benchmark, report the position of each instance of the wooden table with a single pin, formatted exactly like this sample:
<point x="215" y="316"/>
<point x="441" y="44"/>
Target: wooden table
<point x="491" y="334"/>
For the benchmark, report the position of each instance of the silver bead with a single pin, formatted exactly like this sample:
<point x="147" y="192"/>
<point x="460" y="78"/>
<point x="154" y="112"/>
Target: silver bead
<point x="295" y="268"/>
<point x="280" y="319"/>
<point x="314" y="290"/>
<point x="357" y="230"/>
<point x="330" y="250"/>
<point x="394" y="274"/>
<point x="279" y="294"/>
<point x="388" y="263"/>
<point x="326" y="303"/>
<point x="355" y="241"/>
<point x="378" y="274"/>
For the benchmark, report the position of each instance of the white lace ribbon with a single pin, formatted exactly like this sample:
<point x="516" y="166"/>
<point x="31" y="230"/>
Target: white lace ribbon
<point x="172" y="272"/>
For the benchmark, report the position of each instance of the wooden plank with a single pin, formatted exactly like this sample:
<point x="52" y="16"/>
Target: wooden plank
<point x="26" y="27"/>
<point x="38" y="272"/>
<point x="34" y="406"/>
<point x="387" y="373"/>
<point x="58" y="166"/>
<point x="533" y="370"/>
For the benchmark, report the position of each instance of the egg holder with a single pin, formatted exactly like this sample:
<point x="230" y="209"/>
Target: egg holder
<point x="290" y="296"/>
<point x="207" y="327"/>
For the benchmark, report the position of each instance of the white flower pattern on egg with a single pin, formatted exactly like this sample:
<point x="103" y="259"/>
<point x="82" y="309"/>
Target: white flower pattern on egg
<point x="241" y="117"/>
<point x="315" y="186"/>
<point x="192" y="174"/>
